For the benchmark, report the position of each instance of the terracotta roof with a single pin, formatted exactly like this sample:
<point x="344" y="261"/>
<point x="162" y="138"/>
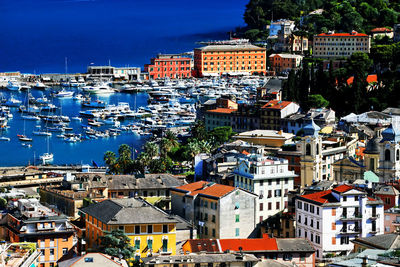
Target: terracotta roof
<point x="372" y="199"/>
<point x="245" y="152"/>
<point x="256" y="244"/>
<point x="343" y="188"/>
<point x="207" y="245"/>
<point x="382" y="29"/>
<point x="355" y="34"/>
<point x="206" y="188"/>
<point x="277" y="104"/>
<point x="321" y="197"/>
<point x="372" y="78"/>
<point x="222" y="110"/>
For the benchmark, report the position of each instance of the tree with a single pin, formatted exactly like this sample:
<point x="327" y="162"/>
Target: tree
<point x="198" y="130"/>
<point x="151" y="149"/>
<point x="117" y="244"/>
<point x="222" y="134"/>
<point x="317" y="101"/>
<point x="124" y="161"/>
<point x="110" y="159"/>
<point x="3" y="203"/>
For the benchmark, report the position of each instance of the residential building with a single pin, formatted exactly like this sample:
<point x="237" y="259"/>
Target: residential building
<point x="388" y="194"/>
<point x="229" y="58"/>
<point x="293" y="251"/>
<point x="392" y="221"/>
<point x="218" y="117"/>
<point x="382" y="32"/>
<point x="210" y="260"/>
<point x="336" y="45"/>
<point x="173" y="66"/>
<point x="282" y="224"/>
<point x="283" y="25"/>
<point x="268" y="138"/>
<point x="331" y="219"/>
<point x="382" y="241"/>
<point x="94" y="259"/>
<point x="285" y="62"/>
<point x="219" y="211"/>
<point x="274" y="111"/>
<point x="270" y="179"/>
<point x="297" y="44"/>
<point x="245" y="118"/>
<point x="151" y="230"/>
<point x="29" y="221"/>
<point x="125" y="73"/>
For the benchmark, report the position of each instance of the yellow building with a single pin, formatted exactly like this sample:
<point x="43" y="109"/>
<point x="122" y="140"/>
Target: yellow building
<point x="151" y="230"/>
<point x="268" y="138"/>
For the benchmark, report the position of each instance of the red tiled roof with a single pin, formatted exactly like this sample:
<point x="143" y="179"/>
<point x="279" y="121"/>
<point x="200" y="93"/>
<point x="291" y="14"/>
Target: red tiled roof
<point x="222" y="110"/>
<point x="372" y="199"/>
<point x="245" y="152"/>
<point x="355" y="34"/>
<point x="277" y="104"/>
<point x="206" y="188"/>
<point x="320" y="197"/>
<point x="256" y="244"/>
<point x="382" y="29"/>
<point x="208" y="245"/>
<point x="372" y="78"/>
<point x="343" y="188"/>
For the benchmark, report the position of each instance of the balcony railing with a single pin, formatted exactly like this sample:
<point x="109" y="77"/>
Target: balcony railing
<point x="351" y="217"/>
<point x="354" y="230"/>
<point x="374" y="231"/>
<point x="374" y="216"/>
<point x="396" y="222"/>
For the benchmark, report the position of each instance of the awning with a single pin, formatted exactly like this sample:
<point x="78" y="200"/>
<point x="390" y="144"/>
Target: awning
<point x="371" y="177"/>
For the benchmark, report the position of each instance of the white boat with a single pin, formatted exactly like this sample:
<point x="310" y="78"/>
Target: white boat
<point x="76" y="118"/>
<point x="100" y="89"/>
<point x="12" y="102"/>
<point x="78" y="97"/>
<point x="30" y="117"/>
<point x="41" y="133"/>
<point x="65" y="94"/>
<point x="13" y="86"/>
<point x="3" y="138"/>
<point x="40" y="86"/>
<point x="46" y="157"/>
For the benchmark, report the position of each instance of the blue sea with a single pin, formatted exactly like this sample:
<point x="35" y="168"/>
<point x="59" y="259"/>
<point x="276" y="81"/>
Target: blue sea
<point x="84" y="152"/>
<point x="37" y="35"/>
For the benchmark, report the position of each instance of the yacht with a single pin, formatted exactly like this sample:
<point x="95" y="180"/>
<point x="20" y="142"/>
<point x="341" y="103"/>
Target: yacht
<point x="3" y="138"/>
<point x="13" y="86"/>
<point x="40" y="86"/>
<point x="94" y="104"/>
<point x="12" y="102"/>
<point x="99" y="89"/>
<point x="46" y="157"/>
<point x="65" y="94"/>
<point x="24" y="138"/>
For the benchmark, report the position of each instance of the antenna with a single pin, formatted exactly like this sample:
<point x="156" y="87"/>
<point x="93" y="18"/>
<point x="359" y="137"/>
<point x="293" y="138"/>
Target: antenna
<point x="66" y="65"/>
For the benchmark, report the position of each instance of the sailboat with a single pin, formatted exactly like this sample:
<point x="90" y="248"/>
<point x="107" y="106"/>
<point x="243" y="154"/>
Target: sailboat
<point x="27" y="116"/>
<point x="23" y="137"/>
<point x="47" y="157"/>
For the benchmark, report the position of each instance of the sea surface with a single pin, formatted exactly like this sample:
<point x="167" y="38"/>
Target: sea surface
<point x="84" y="152"/>
<point x="37" y="35"/>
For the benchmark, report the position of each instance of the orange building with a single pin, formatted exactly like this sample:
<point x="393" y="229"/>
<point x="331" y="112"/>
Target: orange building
<point x="229" y="58"/>
<point x="173" y="66"/>
<point x="33" y="222"/>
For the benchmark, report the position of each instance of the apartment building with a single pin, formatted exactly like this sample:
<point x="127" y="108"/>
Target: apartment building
<point x="285" y="62"/>
<point x="270" y="179"/>
<point x="274" y="111"/>
<point x="151" y="230"/>
<point x="229" y="58"/>
<point x="331" y="219"/>
<point x="30" y="221"/>
<point x="219" y="211"/>
<point x="171" y="65"/>
<point x="218" y="117"/>
<point x="337" y="45"/>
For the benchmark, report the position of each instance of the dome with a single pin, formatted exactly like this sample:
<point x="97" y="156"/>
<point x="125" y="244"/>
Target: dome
<point x="311" y="129"/>
<point x="390" y="134"/>
<point x="373" y="146"/>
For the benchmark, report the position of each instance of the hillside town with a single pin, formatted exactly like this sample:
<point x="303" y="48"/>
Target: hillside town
<point x="240" y="165"/>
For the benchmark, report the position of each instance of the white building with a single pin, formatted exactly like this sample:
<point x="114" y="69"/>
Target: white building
<point x="270" y="179"/>
<point x="331" y="219"/>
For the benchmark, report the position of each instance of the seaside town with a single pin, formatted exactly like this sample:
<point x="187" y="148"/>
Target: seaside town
<point x="277" y="147"/>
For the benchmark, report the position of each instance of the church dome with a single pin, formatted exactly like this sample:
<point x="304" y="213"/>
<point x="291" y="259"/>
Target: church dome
<point x="373" y="146"/>
<point x="390" y="134"/>
<point x="311" y="129"/>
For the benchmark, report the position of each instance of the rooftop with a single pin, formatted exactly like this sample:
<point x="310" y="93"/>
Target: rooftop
<point x="224" y="47"/>
<point x="381" y="29"/>
<point x="277" y="104"/>
<point x="286" y="55"/>
<point x="127" y="211"/>
<point x="354" y="33"/>
<point x="222" y="110"/>
<point x="93" y="259"/>
<point x="201" y="258"/>
<point x="206" y="188"/>
<point x="385" y="241"/>
<point x="266" y="134"/>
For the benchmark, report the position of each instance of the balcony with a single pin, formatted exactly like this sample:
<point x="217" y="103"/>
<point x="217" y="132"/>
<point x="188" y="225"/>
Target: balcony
<point x="351" y="217"/>
<point x="374" y="216"/>
<point x="350" y="230"/>
<point x="396" y="222"/>
<point x="374" y="231"/>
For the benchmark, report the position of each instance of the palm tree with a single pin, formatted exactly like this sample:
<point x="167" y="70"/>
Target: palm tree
<point x="151" y="149"/>
<point x="125" y="160"/>
<point x="109" y="158"/>
<point x="171" y="137"/>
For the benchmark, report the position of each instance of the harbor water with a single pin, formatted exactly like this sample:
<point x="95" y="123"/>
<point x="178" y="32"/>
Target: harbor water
<point x="13" y="152"/>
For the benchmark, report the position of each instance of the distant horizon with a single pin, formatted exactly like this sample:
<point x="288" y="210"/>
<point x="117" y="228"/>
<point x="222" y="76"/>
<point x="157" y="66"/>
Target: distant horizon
<point x="37" y="36"/>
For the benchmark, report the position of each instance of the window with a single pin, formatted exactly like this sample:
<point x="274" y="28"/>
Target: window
<point x="278" y="192"/>
<point x="299" y="232"/>
<point x="308" y="150"/>
<point x="165" y="228"/>
<point x="344" y="198"/>
<point x="165" y="245"/>
<point x="237" y="218"/>
<point x="237" y="233"/>
<point x="299" y="220"/>
<point x="387" y="155"/>
<point x="137" y="229"/>
<point x="317" y="210"/>
<point x="121" y="227"/>
<point x="213" y="219"/>
<point x="65" y="251"/>
<point x="299" y="204"/>
<point x="149" y="229"/>
<point x="150" y="243"/>
<point x="213" y="232"/>
<point x="278" y="205"/>
<point x="317" y="224"/>
<point x="356" y="198"/>
<point x="344" y="240"/>
<point x="237" y="205"/>
<point x="261" y="206"/>
<point x="52" y="252"/>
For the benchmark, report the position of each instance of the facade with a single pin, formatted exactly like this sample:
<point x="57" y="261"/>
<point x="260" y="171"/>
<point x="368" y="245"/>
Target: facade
<point x="218" y="211"/>
<point x="151" y="230"/>
<point x="388" y="194"/>
<point x="126" y="73"/>
<point x="32" y="222"/>
<point x="19" y="254"/>
<point x="94" y="259"/>
<point x="245" y="118"/>
<point x="331" y="219"/>
<point x="173" y="66"/>
<point x="285" y="62"/>
<point x="336" y="45"/>
<point x="270" y="179"/>
<point x="268" y="138"/>
<point x="321" y="116"/>
<point x="218" y="117"/>
<point x="382" y="32"/>
<point x="392" y="221"/>
<point x="298" y="44"/>
<point x="233" y="59"/>
<point x="274" y="111"/>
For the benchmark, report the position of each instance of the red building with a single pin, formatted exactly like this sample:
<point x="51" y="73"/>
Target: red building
<point x="389" y="195"/>
<point x="171" y="66"/>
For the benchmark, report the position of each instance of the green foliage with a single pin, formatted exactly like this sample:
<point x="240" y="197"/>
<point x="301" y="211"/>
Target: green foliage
<point x="317" y="101"/>
<point x="3" y="203"/>
<point x="121" y="164"/>
<point x="222" y="134"/>
<point x="117" y="244"/>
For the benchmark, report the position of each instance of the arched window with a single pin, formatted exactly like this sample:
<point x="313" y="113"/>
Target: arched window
<point x="308" y="150"/>
<point x="397" y="155"/>
<point x="371" y="164"/>
<point x="387" y="155"/>
<point x="317" y="149"/>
